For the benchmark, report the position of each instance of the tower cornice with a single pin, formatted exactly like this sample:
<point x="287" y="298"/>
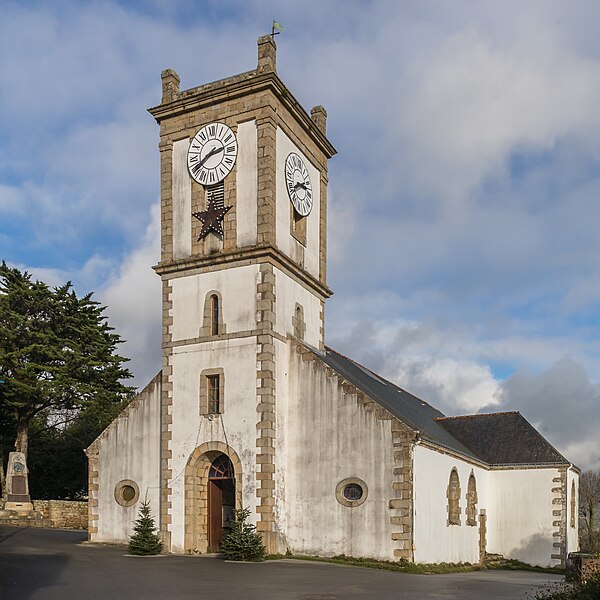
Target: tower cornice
<point x="244" y="84"/>
<point x="258" y="254"/>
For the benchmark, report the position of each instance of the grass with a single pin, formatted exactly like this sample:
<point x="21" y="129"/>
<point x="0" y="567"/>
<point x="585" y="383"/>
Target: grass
<point x="570" y="591"/>
<point x="405" y="566"/>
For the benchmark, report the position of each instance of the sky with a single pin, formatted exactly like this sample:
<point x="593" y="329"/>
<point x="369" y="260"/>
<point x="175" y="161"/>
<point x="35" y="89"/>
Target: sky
<point x="464" y="200"/>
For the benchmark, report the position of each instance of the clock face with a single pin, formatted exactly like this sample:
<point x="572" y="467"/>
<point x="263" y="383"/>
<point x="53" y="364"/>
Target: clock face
<point x="298" y="184"/>
<point x="212" y="153"/>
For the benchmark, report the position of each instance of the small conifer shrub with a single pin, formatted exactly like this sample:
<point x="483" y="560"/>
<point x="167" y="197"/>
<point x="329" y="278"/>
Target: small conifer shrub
<point x="243" y="543"/>
<point x="145" y="541"/>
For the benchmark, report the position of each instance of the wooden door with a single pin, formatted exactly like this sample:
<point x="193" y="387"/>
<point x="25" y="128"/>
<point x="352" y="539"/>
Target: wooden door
<point x="215" y="516"/>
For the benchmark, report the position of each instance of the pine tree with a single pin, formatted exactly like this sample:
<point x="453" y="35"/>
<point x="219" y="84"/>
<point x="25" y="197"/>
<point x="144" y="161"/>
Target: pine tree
<point x="57" y="354"/>
<point x="145" y="540"/>
<point x="243" y="543"/>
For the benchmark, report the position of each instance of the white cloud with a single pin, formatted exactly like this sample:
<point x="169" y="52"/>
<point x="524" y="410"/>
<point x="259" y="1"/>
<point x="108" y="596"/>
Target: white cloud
<point x="453" y="386"/>
<point x="563" y="403"/>
<point x="438" y="365"/>
<point x="133" y="297"/>
<point x="476" y="102"/>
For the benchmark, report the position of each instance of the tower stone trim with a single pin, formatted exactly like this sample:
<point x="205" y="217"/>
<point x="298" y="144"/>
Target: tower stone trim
<point x="319" y="115"/>
<point x="267" y="54"/>
<point x="265" y="408"/>
<point x="166" y="415"/>
<point x="266" y="127"/>
<point x="170" y="85"/>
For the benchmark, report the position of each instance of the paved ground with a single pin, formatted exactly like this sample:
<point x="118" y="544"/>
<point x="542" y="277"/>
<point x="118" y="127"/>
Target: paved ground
<point x="46" y="564"/>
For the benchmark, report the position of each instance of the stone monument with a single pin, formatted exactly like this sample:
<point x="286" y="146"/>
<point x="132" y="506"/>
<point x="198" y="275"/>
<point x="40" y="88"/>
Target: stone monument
<point x="17" y="485"/>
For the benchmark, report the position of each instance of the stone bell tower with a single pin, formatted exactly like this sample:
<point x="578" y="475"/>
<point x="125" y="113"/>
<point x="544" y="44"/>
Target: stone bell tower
<point x="243" y="268"/>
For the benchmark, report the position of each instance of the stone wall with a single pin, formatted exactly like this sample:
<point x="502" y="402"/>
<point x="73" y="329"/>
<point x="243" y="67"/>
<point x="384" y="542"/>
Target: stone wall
<point x="63" y="514"/>
<point x="59" y="514"/>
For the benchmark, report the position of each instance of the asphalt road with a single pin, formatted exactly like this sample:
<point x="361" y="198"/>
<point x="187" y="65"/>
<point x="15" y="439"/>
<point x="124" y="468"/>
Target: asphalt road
<point x="47" y="564"/>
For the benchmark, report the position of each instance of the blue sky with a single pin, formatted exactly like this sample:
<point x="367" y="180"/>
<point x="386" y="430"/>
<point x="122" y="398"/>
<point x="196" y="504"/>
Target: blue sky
<point x="464" y="201"/>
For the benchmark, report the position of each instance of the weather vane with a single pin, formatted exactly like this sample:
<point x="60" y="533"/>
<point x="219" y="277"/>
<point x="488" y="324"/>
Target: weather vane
<point x="277" y="28"/>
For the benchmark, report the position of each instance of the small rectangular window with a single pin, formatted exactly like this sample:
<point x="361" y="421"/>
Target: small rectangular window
<point x="214" y="389"/>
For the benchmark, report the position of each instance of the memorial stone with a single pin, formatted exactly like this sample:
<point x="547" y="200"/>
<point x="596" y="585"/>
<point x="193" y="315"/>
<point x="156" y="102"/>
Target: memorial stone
<point x="17" y="486"/>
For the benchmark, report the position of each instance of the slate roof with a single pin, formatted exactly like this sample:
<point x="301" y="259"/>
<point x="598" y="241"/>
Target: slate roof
<point x="499" y="438"/>
<point x="502" y="439"/>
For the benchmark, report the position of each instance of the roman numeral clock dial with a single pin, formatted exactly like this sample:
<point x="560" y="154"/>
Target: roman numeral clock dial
<point x="297" y="182"/>
<point x="212" y="153"/>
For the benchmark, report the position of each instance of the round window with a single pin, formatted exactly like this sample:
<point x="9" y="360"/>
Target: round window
<point x="127" y="492"/>
<point x="351" y="492"/>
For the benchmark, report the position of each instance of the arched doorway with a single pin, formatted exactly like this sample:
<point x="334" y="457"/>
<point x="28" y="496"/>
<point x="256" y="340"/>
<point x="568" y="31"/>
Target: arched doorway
<point x="196" y="491"/>
<point x="221" y="500"/>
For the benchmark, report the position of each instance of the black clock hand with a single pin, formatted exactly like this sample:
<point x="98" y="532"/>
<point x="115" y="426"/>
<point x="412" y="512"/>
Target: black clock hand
<point x="214" y="151"/>
<point x="301" y="185"/>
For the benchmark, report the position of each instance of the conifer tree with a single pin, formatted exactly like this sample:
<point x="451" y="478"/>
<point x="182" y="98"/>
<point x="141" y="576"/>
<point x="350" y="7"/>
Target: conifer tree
<point x="145" y="541"/>
<point x="243" y="543"/>
<point x="57" y="353"/>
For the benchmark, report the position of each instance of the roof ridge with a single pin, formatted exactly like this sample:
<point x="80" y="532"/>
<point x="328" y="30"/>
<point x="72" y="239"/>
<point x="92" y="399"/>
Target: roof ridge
<point x="502" y="412"/>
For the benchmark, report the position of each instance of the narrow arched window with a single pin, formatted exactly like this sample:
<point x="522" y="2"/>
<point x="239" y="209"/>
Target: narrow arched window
<point x="472" y="501"/>
<point x="298" y="322"/>
<point x="573" y="504"/>
<point x="214" y="315"/>
<point x="453" y="495"/>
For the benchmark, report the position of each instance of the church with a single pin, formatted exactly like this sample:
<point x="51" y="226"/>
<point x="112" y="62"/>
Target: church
<point x="251" y="408"/>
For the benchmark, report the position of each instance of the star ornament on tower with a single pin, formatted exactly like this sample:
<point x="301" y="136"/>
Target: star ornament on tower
<point x="212" y="219"/>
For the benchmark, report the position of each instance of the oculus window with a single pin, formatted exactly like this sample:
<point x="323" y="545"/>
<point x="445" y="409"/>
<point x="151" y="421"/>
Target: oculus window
<point x="351" y="492"/>
<point x="127" y="492"/>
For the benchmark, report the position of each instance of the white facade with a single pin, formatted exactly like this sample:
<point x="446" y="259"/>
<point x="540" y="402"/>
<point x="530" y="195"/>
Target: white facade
<point x="518" y="503"/>
<point x="189" y="295"/>
<point x="520" y="520"/>
<point x="128" y="450"/>
<point x="330" y="437"/>
<point x="435" y="540"/>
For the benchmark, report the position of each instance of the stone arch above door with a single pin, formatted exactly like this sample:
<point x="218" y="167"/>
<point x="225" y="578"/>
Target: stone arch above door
<point x="196" y="492"/>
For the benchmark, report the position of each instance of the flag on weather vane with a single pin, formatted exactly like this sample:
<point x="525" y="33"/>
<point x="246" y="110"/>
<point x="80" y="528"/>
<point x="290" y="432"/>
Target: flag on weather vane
<point x="277" y="26"/>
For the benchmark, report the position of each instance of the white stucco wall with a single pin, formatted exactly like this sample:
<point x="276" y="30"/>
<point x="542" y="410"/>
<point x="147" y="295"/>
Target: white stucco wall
<point x="573" y="532"/>
<point x="308" y="256"/>
<point x="520" y="520"/>
<point x="289" y="292"/>
<point x="129" y="449"/>
<point x="329" y="437"/>
<point x="182" y="200"/>
<point x="236" y="426"/>
<point x="238" y="306"/>
<point x="434" y="539"/>
<point x="246" y="184"/>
